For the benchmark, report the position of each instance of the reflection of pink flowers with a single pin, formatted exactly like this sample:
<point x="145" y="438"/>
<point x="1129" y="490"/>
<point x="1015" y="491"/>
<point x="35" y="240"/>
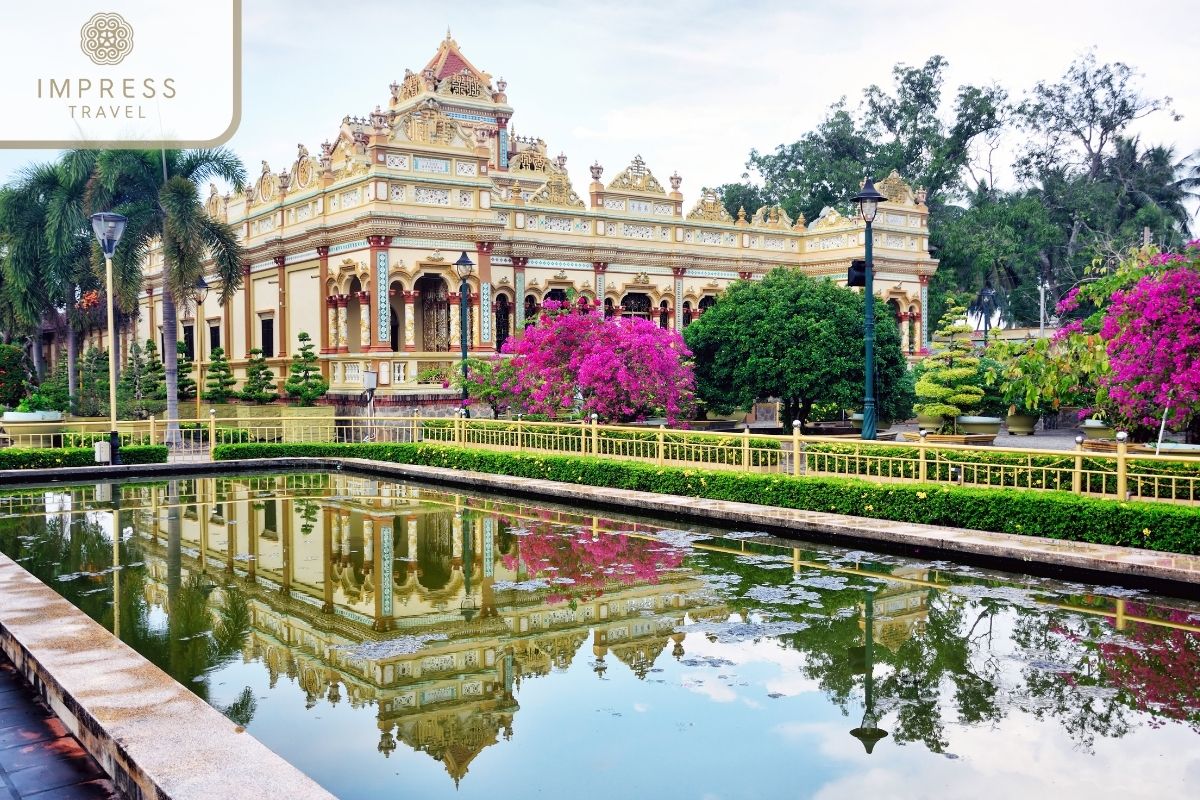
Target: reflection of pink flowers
<point x="552" y="552"/>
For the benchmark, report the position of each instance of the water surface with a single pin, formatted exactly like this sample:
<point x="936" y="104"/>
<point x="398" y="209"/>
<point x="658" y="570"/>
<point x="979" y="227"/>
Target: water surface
<point x="399" y="641"/>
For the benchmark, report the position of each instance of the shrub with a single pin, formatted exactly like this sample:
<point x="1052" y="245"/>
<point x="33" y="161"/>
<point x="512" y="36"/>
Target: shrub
<point x="260" y="380"/>
<point x="218" y="385"/>
<point x="305" y="384"/>
<point x="52" y="457"/>
<point x="951" y="384"/>
<point x="1058" y="515"/>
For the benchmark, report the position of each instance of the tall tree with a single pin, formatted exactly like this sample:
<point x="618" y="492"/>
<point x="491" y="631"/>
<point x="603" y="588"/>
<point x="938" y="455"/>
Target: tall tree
<point x="798" y="339"/>
<point x="157" y="191"/>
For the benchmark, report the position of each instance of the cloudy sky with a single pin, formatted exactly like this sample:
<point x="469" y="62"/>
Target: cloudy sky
<point x="691" y="86"/>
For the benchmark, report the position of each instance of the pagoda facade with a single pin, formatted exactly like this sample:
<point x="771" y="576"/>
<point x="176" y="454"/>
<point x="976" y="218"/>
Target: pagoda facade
<point x="356" y="244"/>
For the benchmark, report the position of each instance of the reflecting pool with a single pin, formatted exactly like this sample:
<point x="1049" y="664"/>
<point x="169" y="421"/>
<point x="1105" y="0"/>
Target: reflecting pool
<point x="404" y="641"/>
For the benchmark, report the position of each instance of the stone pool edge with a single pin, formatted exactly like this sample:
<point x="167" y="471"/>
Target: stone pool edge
<point x="1172" y="572"/>
<point x="154" y="738"/>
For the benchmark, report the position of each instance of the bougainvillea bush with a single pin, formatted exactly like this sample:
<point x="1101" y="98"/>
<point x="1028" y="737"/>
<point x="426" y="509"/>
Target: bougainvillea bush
<point x="1152" y="335"/>
<point x="622" y="369"/>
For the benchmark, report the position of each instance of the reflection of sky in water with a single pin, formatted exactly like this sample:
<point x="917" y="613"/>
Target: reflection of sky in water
<point x="750" y="679"/>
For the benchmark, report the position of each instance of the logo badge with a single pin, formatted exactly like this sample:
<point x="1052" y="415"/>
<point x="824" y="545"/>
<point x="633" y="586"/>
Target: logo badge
<point x="106" y="39"/>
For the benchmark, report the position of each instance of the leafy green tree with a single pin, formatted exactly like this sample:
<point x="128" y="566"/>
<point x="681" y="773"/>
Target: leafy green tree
<point x="486" y="381"/>
<point x="952" y="382"/>
<point x="14" y="374"/>
<point x="157" y="191"/>
<point x="92" y="399"/>
<point x="187" y="386"/>
<point x="218" y="385"/>
<point x="156" y="379"/>
<point x="55" y="390"/>
<point x="305" y="382"/>
<point x="799" y="339"/>
<point x="260" y="380"/>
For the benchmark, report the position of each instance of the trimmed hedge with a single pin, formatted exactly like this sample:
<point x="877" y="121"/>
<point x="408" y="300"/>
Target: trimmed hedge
<point x="677" y="445"/>
<point x="51" y="457"/>
<point x="1058" y="515"/>
<point x="1051" y="470"/>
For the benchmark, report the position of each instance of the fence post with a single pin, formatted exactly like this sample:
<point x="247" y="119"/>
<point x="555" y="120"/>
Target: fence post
<point x="796" y="454"/>
<point x="923" y="474"/>
<point x="582" y="436"/>
<point x="458" y="427"/>
<point x="212" y="432"/>
<point x="661" y="443"/>
<point x="746" y="449"/>
<point x="595" y="435"/>
<point x="416" y="424"/>
<point x="520" y="437"/>
<point x="153" y="430"/>
<point x="1077" y="473"/>
<point x="1122" y="465"/>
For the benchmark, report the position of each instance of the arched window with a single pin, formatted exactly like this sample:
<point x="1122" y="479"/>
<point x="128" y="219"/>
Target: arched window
<point x="636" y="304"/>
<point x="895" y="307"/>
<point x="503" y="317"/>
<point x="435" y="314"/>
<point x="396" y="300"/>
<point x="707" y="302"/>
<point x="557" y="295"/>
<point x="687" y="313"/>
<point x="531" y="309"/>
<point x="912" y="329"/>
<point x="608" y="308"/>
<point x="664" y="315"/>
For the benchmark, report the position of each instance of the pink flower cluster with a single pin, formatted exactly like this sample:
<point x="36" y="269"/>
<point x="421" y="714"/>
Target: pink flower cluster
<point x="1070" y="301"/>
<point x="1152" y="332"/>
<point x="623" y="369"/>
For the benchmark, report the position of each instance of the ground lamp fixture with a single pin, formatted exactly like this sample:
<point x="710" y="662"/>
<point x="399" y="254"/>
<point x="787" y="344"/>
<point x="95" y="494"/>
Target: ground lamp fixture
<point x="109" y="228"/>
<point x="464" y="266"/>
<point x="868" y="200"/>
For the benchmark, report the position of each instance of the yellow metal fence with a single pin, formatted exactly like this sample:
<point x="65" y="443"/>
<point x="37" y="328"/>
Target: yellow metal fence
<point x="1123" y="474"/>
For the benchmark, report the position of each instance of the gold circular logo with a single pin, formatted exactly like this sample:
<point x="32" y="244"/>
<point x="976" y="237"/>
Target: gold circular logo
<point x="106" y="39"/>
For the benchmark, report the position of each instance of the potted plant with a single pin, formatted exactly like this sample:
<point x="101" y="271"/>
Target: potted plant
<point x="260" y="416"/>
<point x="306" y="421"/>
<point x="33" y="423"/>
<point x="949" y="388"/>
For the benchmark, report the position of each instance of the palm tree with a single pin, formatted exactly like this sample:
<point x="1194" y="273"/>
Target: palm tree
<point x="157" y="191"/>
<point x="48" y="246"/>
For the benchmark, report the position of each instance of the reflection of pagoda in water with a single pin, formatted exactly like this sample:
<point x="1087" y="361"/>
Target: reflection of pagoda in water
<point x="371" y="593"/>
<point x="901" y="607"/>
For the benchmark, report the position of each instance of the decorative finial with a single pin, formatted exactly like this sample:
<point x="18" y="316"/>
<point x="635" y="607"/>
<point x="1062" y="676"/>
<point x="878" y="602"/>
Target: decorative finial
<point x="742" y="215"/>
<point x="561" y="160"/>
<point x="501" y="85"/>
<point x="597" y="170"/>
<point x="448" y="33"/>
<point x="675" y="181"/>
<point x="921" y="195"/>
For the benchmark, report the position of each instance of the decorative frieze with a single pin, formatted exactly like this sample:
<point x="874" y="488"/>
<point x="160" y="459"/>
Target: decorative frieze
<point x="614" y="204"/>
<point x="426" y="164"/>
<point x="467" y="169"/>
<point x="396" y="193"/>
<point x="637" y="231"/>
<point x="430" y="196"/>
<point x="397" y="161"/>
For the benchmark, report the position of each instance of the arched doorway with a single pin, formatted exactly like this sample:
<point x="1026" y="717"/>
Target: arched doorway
<point x="707" y="302"/>
<point x="531" y="310"/>
<point x="434" y="314"/>
<point x="557" y="295"/>
<point x="503" y="320"/>
<point x="912" y="329"/>
<point x="635" y="304"/>
<point x="894" y="305"/>
<point x="664" y="315"/>
<point x="687" y="313"/>
<point x="609" y="310"/>
<point x="396" y="300"/>
<point x="354" y="318"/>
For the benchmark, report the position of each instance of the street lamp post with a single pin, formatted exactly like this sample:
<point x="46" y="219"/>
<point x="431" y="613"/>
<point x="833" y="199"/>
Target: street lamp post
<point x="869" y="732"/>
<point x="464" y="266"/>
<point x="201" y="296"/>
<point x="868" y="200"/>
<point x="108" y="228"/>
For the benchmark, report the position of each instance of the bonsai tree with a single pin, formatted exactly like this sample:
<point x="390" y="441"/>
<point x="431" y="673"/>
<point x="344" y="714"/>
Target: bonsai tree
<point x="218" y="387"/>
<point x="55" y="389"/>
<point x="187" y="386"/>
<point x="92" y="400"/>
<point x="950" y="384"/>
<point x="136" y="391"/>
<point x="305" y="382"/>
<point x="156" y="373"/>
<point x="260" y="380"/>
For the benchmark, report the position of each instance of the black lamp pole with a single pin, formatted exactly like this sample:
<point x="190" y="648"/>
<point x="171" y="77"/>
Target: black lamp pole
<point x="868" y="200"/>
<point x="464" y="265"/>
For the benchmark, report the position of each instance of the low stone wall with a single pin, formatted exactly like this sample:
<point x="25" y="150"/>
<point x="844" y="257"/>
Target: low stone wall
<point x="152" y="736"/>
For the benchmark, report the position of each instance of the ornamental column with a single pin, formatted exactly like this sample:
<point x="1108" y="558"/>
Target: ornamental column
<point x="329" y="344"/>
<point x="281" y="307"/>
<point x="903" y="322"/>
<point x="379" y="281"/>
<point x="519" y="264"/>
<point x="248" y="310"/>
<point x="455" y="340"/>
<point x="410" y="320"/>
<point x="923" y="323"/>
<point x="343" y="342"/>
<point x="150" y="305"/>
<point x="476" y="301"/>
<point x="327" y="317"/>
<point x="599" y="268"/>
<point x="364" y="322"/>
<point x="483" y="322"/>
<point x="502" y="141"/>
<point x="677" y="318"/>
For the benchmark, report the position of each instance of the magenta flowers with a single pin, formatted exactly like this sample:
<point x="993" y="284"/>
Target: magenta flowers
<point x="620" y="369"/>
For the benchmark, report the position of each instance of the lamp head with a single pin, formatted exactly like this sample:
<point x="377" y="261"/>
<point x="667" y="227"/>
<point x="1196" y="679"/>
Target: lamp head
<point x="109" y="228"/>
<point x="201" y="290"/>
<point x="464" y="266"/>
<point x="868" y="200"/>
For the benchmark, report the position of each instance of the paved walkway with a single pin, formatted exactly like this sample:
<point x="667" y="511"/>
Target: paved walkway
<point x="39" y="759"/>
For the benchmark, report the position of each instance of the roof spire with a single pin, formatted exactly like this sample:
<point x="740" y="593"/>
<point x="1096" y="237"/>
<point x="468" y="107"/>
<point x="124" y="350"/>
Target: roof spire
<point x="447" y="33"/>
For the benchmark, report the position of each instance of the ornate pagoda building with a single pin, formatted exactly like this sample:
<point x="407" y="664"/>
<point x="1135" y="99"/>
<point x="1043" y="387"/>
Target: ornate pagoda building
<point x="356" y="244"/>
